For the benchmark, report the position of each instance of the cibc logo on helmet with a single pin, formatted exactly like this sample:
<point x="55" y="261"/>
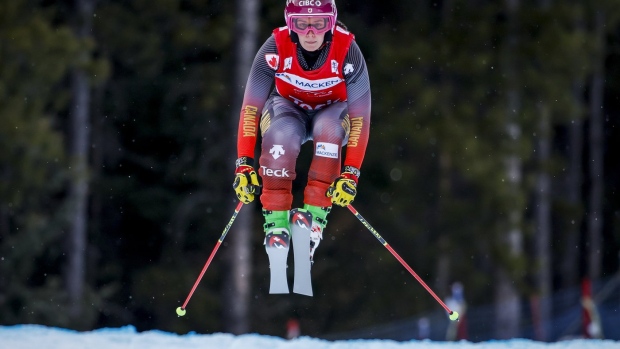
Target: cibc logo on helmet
<point x="305" y="2"/>
<point x="309" y="3"/>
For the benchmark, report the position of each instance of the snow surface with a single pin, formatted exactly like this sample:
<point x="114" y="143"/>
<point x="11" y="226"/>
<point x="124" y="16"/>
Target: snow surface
<point x="41" y="337"/>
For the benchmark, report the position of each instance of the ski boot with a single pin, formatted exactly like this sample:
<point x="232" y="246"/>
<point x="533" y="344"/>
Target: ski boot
<point x="277" y="241"/>
<point x="307" y="226"/>
<point x="319" y="222"/>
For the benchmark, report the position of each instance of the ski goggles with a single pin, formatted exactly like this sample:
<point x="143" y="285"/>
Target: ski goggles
<point x="304" y="24"/>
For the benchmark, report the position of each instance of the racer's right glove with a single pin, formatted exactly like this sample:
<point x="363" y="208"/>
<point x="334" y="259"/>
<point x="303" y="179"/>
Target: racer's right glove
<point x="246" y="183"/>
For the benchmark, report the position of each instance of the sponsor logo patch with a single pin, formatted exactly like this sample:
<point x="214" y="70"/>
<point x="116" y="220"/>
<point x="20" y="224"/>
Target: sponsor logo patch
<point x="309" y="3"/>
<point x="348" y="68"/>
<point x="308" y="85"/>
<point x="300" y="220"/>
<point x="283" y="173"/>
<point x="277" y="242"/>
<point x="276" y="151"/>
<point x="334" y="66"/>
<point x="273" y="61"/>
<point x="326" y="150"/>
<point x="288" y="63"/>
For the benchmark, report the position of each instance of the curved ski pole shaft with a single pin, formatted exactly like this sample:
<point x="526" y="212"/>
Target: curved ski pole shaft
<point x="217" y="246"/>
<point x="384" y="243"/>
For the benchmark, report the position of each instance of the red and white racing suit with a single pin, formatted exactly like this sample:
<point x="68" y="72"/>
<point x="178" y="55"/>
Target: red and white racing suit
<point x="328" y="103"/>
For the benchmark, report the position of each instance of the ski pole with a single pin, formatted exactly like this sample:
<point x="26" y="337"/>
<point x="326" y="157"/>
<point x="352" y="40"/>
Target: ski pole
<point x="454" y="316"/>
<point x="181" y="310"/>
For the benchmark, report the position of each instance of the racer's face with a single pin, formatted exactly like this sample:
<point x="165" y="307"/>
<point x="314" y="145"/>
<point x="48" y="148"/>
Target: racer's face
<point x="310" y="41"/>
<point x="311" y="31"/>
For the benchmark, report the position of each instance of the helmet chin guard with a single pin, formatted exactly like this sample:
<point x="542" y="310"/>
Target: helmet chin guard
<point x="310" y="8"/>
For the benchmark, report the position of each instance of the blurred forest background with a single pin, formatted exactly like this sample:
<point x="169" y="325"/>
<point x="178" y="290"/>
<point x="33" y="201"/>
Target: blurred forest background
<point x="491" y="162"/>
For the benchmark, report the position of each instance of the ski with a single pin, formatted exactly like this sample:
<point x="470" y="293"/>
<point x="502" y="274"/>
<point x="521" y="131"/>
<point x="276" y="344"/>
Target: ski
<point x="277" y="246"/>
<point x="301" y="223"/>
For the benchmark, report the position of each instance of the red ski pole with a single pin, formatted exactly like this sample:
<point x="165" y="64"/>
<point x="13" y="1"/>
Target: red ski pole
<point x="454" y="316"/>
<point x="181" y="310"/>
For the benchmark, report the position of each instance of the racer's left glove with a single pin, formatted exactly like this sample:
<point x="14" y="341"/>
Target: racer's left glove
<point x="342" y="191"/>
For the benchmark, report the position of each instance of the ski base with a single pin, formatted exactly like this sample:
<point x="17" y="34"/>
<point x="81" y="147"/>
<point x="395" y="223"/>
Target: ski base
<point x="277" y="247"/>
<point x="301" y="222"/>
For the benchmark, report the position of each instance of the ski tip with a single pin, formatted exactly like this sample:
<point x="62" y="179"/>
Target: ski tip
<point x="454" y="316"/>
<point x="181" y="311"/>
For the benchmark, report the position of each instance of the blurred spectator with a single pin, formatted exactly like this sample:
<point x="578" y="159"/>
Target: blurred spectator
<point x="424" y="328"/>
<point x="457" y="330"/>
<point x="292" y="328"/>
<point x="592" y="326"/>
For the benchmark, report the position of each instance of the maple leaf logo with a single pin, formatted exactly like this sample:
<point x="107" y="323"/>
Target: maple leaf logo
<point x="273" y="61"/>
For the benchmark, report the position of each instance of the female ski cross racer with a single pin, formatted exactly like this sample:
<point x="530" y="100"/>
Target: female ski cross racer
<point x="322" y="93"/>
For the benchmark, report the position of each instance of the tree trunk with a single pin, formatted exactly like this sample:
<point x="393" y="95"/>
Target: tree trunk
<point x="238" y="283"/>
<point x="507" y="302"/>
<point x="574" y="180"/>
<point x="570" y="264"/>
<point x="98" y="140"/>
<point x="78" y="191"/>
<point x="595" y="214"/>
<point x="543" y="223"/>
<point x="544" y="282"/>
<point x="442" y="270"/>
